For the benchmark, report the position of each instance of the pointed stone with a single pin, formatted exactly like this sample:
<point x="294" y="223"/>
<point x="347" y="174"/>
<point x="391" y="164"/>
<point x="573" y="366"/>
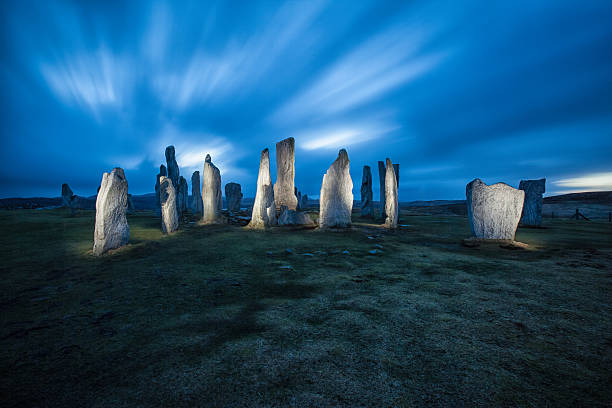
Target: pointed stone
<point x="304" y="204"/>
<point x="212" y="198"/>
<point x="382" y="175"/>
<point x="396" y="168"/>
<point x="532" y="209"/>
<point x="173" y="170"/>
<point x="264" y="207"/>
<point x="284" y="188"/>
<point x="169" y="213"/>
<point x="493" y="211"/>
<point x="162" y="172"/>
<point x="233" y="196"/>
<point x="367" y="206"/>
<point x="69" y="199"/>
<point x="336" y="199"/>
<point x="196" y="194"/>
<point x="391" y="203"/>
<point x="299" y="200"/>
<point x="183" y="195"/>
<point x="111" y="228"/>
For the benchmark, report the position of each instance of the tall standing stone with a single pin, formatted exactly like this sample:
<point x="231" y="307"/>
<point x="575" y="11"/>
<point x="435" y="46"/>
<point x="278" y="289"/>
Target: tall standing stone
<point x="391" y="203"/>
<point x="130" y="203"/>
<point x="212" y="198"/>
<point x="264" y="208"/>
<point x="169" y="213"/>
<point x="284" y="188"/>
<point x="233" y="196"/>
<point x="382" y="175"/>
<point x="69" y="199"/>
<point x="336" y="199"/>
<point x="493" y="211"/>
<point x="367" y="207"/>
<point x="396" y="168"/>
<point x="183" y="195"/>
<point x="111" y="229"/>
<point x="162" y="172"/>
<point x="299" y="200"/>
<point x="173" y="170"/>
<point x="532" y="209"/>
<point x="196" y="194"/>
<point x="304" y="204"/>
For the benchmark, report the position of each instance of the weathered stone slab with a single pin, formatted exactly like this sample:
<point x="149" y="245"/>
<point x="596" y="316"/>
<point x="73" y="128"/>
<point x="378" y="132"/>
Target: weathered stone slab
<point x="264" y="207"/>
<point x="382" y="175"/>
<point x="532" y="208"/>
<point x="336" y="199"/>
<point x="367" y="206"/>
<point x="69" y="199"/>
<point x="162" y="172"/>
<point x="233" y="197"/>
<point x="196" y="194"/>
<point x="391" y="202"/>
<point x="173" y="170"/>
<point x="212" y="198"/>
<point x="169" y="213"/>
<point x="298" y="194"/>
<point x="111" y="228"/>
<point x="294" y="218"/>
<point x="284" y="188"/>
<point x="493" y="211"/>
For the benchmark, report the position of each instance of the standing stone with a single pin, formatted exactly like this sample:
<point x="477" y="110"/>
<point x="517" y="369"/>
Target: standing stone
<point x="233" y="196"/>
<point x="284" y="188"/>
<point x="264" y="208"/>
<point x="211" y="192"/>
<point x="111" y="229"/>
<point x="304" y="204"/>
<point x="183" y="195"/>
<point x="69" y="199"/>
<point x="196" y="195"/>
<point x="493" y="211"/>
<point x="336" y="199"/>
<point x="162" y="172"/>
<point x="532" y="209"/>
<point x="130" y="203"/>
<point x="169" y="213"/>
<point x="396" y="168"/>
<point x="299" y="200"/>
<point x="391" y="203"/>
<point x="382" y="175"/>
<point x="173" y="170"/>
<point x="367" y="207"/>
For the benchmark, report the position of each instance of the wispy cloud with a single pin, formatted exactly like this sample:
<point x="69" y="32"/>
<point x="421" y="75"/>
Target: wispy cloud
<point x="94" y="80"/>
<point x="372" y="69"/>
<point x="342" y="135"/>
<point x="589" y="182"/>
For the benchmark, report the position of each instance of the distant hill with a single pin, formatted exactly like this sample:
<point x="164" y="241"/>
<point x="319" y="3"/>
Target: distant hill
<point x="591" y="197"/>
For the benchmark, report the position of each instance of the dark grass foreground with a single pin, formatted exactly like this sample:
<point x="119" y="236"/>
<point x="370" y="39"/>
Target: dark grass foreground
<point x="221" y="316"/>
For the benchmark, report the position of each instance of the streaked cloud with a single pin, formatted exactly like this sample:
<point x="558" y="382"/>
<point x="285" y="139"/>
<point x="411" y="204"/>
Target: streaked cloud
<point x="589" y="182"/>
<point x="343" y="135"/>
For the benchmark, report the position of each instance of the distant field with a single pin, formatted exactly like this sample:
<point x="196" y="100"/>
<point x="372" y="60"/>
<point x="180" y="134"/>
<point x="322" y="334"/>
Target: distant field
<point x="221" y="316"/>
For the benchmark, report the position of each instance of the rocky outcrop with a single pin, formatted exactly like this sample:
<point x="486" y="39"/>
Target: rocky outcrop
<point x="69" y="200"/>
<point x="264" y="207"/>
<point x="111" y="228"/>
<point x="336" y="199"/>
<point x="162" y="172"/>
<point x="183" y="195"/>
<point x="294" y="218"/>
<point x="391" y="203"/>
<point x="493" y="211"/>
<point x="233" y="197"/>
<point x="284" y="188"/>
<point x="169" y="213"/>
<point x="196" y="194"/>
<point x="367" y="206"/>
<point x="212" y="198"/>
<point x="382" y="175"/>
<point x="532" y="208"/>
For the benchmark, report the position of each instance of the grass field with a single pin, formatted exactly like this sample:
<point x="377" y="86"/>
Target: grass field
<point x="221" y="316"/>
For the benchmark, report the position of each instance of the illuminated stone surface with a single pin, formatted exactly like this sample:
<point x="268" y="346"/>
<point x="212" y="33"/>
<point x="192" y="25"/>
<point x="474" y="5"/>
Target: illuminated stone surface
<point x="493" y="211"/>
<point x="367" y="206"/>
<point x="183" y="195"/>
<point x="532" y="208"/>
<point x="284" y="188"/>
<point x="173" y="170"/>
<point x="382" y="175"/>
<point x="169" y="213"/>
<point x="233" y="196"/>
<point x="336" y="199"/>
<point x="69" y="199"/>
<point x="111" y="228"/>
<point x="291" y="217"/>
<point x="391" y="203"/>
<point x="196" y="194"/>
<point x="211" y="192"/>
<point x="162" y="172"/>
<point x="264" y="208"/>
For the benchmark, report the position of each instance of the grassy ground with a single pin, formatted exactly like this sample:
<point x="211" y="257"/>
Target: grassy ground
<point x="221" y="316"/>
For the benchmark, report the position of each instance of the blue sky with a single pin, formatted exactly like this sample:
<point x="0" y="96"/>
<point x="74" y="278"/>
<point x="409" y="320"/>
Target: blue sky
<point x="451" y="90"/>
